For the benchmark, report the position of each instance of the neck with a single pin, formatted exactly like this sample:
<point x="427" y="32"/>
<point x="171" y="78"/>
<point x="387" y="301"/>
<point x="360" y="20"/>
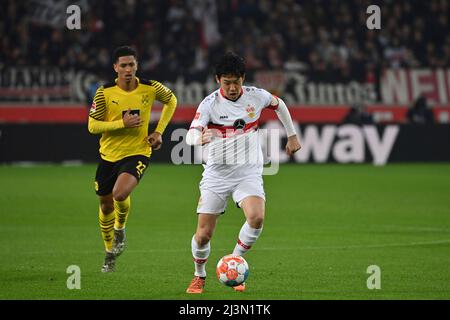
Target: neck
<point x="223" y="95"/>
<point x="127" y="85"/>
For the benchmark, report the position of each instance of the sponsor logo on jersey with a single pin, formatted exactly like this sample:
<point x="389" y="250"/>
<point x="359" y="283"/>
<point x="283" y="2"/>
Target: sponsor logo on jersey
<point x="93" y="106"/>
<point x="135" y="111"/>
<point x="197" y="116"/>
<point x="239" y="124"/>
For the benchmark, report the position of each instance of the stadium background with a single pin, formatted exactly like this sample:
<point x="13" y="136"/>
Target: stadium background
<point x="323" y="60"/>
<point x="349" y="90"/>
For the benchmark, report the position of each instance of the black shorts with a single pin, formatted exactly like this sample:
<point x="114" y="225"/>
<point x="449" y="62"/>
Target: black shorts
<point x="107" y="172"/>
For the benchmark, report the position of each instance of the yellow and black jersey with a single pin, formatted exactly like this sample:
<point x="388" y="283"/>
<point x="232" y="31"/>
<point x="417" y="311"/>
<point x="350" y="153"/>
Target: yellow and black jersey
<point x="110" y="104"/>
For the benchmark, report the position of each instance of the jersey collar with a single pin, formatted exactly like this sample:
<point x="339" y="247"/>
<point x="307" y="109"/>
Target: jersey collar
<point x="223" y="95"/>
<point x="128" y="92"/>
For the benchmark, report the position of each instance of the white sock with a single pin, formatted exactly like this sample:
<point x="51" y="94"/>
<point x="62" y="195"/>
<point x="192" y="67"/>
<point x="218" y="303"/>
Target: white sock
<point x="200" y="255"/>
<point x="247" y="237"/>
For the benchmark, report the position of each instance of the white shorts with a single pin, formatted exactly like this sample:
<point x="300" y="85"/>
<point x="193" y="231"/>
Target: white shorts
<point x="214" y="193"/>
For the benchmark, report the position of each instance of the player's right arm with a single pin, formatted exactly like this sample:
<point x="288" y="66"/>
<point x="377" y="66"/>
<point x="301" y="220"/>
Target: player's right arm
<point x="98" y="125"/>
<point x="198" y="133"/>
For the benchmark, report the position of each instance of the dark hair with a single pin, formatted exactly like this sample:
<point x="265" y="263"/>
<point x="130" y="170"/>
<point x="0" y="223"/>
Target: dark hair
<point x="123" y="51"/>
<point x="230" y="64"/>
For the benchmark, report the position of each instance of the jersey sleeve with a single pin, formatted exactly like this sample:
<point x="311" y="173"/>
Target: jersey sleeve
<point x="266" y="99"/>
<point x="162" y="94"/>
<point x="202" y="115"/>
<point x="98" y="107"/>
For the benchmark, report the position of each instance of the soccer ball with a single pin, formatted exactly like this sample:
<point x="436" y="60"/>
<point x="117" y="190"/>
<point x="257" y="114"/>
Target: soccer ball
<point x="232" y="270"/>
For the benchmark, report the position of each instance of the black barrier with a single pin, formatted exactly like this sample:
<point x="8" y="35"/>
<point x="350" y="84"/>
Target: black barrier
<point x="320" y="143"/>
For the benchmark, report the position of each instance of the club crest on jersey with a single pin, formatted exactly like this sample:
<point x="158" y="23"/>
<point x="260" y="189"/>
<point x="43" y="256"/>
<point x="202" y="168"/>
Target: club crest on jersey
<point x="239" y="124"/>
<point x="145" y="99"/>
<point x="251" y="111"/>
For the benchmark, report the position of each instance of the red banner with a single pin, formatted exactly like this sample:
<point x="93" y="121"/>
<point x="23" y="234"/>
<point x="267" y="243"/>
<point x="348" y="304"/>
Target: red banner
<point x="301" y="114"/>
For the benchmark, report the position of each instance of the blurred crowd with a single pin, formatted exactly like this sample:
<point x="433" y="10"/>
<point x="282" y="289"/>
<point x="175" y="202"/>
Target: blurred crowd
<point x="327" y="40"/>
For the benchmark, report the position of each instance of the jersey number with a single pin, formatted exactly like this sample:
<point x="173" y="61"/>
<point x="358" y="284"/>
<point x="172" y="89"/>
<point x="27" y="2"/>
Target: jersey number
<point x="140" y="168"/>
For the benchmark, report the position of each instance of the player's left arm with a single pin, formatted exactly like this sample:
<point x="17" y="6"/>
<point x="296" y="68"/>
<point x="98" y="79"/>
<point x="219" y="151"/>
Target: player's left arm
<point x="169" y="100"/>
<point x="293" y="143"/>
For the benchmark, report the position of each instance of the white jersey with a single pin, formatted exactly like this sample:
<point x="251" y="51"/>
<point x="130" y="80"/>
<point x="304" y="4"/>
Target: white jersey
<point x="235" y="151"/>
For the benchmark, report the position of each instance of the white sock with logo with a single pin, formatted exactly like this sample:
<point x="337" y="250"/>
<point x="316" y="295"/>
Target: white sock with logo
<point x="247" y="237"/>
<point x="200" y="255"/>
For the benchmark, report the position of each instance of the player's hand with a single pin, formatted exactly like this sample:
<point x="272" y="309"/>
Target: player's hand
<point x="292" y="145"/>
<point x="131" y="120"/>
<point x="207" y="136"/>
<point x="155" y="140"/>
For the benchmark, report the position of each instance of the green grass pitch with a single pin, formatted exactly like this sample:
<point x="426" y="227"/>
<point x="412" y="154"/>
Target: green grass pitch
<point x="325" y="225"/>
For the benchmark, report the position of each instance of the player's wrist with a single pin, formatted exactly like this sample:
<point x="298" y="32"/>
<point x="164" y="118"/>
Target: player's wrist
<point x="118" y="124"/>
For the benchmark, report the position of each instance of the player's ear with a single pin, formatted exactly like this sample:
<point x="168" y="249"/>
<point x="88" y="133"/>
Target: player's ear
<point x="243" y="78"/>
<point x="217" y="80"/>
<point x="116" y="69"/>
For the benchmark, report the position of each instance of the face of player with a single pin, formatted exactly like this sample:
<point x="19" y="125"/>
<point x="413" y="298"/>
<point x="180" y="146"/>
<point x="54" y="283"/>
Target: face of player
<point x="231" y="85"/>
<point x="126" y="68"/>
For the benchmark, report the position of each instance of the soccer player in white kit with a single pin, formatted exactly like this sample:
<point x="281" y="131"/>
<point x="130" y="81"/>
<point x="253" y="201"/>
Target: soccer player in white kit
<point x="227" y="122"/>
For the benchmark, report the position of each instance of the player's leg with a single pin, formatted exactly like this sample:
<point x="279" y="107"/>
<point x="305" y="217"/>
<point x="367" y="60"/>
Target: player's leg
<point x="250" y="196"/>
<point x="200" y="243"/>
<point x="104" y="182"/>
<point x="121" y="199"/>
<point x="106" y="220"/>
<point x="254" y="210"/>
<point x="130" y="171"/>
<point x="121" y="196"/>
<point x="209" y="209"/>
<point x="201" y="248"/>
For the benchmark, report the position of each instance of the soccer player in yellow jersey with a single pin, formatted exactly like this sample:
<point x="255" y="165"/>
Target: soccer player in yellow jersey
<point x="120" y="112"/>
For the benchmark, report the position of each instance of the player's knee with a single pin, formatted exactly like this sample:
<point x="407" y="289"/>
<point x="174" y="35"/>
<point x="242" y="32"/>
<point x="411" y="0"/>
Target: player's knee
<point x="203" y="237"/>
<point x="120" y="195"/>
<point x="256" y="221"/>
<point x="107" y="207"/>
